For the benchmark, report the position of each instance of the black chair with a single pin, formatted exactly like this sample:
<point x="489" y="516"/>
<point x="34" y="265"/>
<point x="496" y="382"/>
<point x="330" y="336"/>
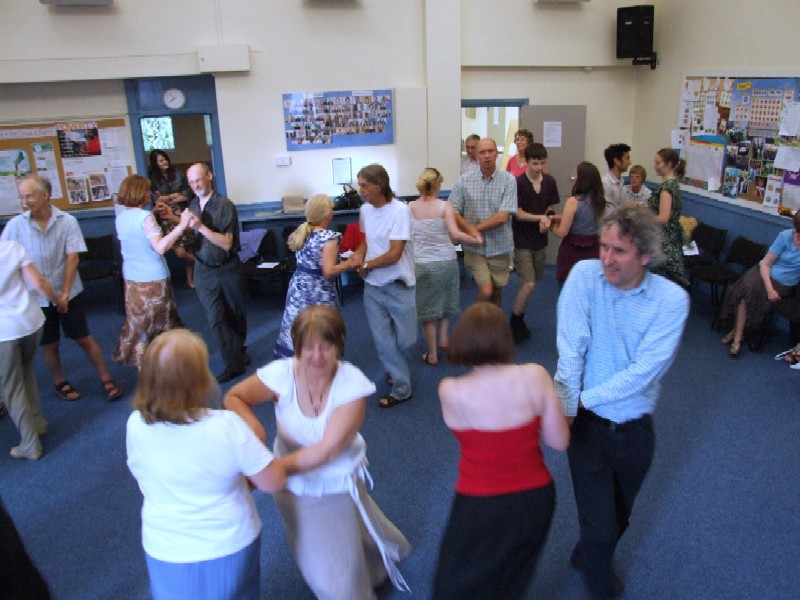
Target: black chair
<point x="267" y="253"/>
<point x="102" y="260"/>
<point x="742" y="255"/>
<point x="710" y="241"/>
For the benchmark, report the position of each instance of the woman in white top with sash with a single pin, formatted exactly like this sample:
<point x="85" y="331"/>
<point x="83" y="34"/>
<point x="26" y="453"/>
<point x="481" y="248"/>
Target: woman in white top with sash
<point x="343" y="544"/>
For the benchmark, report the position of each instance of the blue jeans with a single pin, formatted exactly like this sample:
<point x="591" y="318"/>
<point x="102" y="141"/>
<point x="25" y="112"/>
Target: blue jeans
<point x="233" y="577"/>
<point x="392" y="316"/>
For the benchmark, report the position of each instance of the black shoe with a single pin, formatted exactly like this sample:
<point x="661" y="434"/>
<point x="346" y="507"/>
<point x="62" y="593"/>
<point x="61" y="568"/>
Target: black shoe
<point x="229" y="374"/>
<point x="617" y="584"/>
<point x="519" y="330"/>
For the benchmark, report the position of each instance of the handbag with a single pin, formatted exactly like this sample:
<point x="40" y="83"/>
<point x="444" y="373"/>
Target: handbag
<point x="349" y="199"/>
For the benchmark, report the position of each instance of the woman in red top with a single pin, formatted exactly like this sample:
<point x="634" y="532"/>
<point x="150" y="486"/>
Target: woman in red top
<point x="504" y="493"/>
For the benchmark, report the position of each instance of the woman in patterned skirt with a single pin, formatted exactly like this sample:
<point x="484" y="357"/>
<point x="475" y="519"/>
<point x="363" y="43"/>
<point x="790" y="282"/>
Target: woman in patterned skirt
<point x="149" y="302"/>
<point x="317" y="251"/>
<point x="666" y="203"/>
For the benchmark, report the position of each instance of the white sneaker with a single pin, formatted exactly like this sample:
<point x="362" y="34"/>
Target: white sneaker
<point x="795" y="366"/>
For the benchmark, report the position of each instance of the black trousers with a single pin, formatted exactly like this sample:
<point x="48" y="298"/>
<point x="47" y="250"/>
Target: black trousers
<point x="220" y="291"/>
<point x="491" y="544"/>
<point x="608" y="464"/>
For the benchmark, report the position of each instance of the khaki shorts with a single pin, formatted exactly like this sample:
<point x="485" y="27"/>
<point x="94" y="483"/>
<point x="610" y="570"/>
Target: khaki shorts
<point x="486" y="269"/>
<point x="529" y="264"/>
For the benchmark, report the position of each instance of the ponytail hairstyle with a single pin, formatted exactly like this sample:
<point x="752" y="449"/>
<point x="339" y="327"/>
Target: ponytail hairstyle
<point x="588" y="183"/>
<point x="317" y="209"/>
<point x="678" y="165"/>
<point x="429" y="179"/>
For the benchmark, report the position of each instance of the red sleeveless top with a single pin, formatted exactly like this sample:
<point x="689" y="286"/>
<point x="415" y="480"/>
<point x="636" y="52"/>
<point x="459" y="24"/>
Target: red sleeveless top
<point x="500" y="462"/>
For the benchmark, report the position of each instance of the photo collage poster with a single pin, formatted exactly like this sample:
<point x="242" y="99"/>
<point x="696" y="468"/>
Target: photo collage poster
<point x="751" y="115"/>
<point x="316" y="120"/>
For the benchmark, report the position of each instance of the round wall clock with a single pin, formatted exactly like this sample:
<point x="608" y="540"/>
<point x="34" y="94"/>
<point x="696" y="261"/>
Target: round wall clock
<point x="174" y="98"/>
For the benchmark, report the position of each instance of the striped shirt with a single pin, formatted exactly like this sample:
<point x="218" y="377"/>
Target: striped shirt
<point x="478" y="199"/>
<point x="614" y="346"/>
<point x="48" y="249"/>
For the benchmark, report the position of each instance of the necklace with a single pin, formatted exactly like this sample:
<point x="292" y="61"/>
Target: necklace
<point x="316" y="407"/>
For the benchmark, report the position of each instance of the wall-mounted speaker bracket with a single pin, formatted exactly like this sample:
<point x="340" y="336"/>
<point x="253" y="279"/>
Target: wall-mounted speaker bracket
<point x="651" y="60"/>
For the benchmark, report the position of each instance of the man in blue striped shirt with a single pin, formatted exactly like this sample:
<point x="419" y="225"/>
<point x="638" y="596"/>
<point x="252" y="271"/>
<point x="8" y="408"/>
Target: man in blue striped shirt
<point x="619" y="327"/>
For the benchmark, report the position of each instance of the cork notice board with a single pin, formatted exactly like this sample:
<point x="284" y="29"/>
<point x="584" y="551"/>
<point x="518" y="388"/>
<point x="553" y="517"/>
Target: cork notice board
<point x="85" y="161"/>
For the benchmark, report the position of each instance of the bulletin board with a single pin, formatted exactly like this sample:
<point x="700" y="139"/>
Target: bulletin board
<point x="85" y="161"/>
<point x="740" y="137"/>
<point x="317" y="120"/>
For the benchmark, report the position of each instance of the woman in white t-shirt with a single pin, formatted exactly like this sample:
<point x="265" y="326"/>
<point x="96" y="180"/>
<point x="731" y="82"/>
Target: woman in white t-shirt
<point x="344" y="545"/>
<point x="200" y="528"/>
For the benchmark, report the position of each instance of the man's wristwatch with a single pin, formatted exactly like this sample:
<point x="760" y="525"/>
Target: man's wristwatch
<point x="366" y="266"/>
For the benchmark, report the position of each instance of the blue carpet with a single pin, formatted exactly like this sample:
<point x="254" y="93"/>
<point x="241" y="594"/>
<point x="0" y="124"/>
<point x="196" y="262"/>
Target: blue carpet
<point x="717" y="517"/>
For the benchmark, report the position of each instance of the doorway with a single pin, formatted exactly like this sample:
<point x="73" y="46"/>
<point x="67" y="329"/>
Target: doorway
<point x="494" y="118"/>
<point x="187" y="131"/>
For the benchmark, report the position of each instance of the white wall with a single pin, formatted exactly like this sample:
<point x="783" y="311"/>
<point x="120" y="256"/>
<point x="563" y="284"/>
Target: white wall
<point x="432" y="52"/>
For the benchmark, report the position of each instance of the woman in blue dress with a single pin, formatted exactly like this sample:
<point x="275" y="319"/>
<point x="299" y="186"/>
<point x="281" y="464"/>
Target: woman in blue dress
<point x="318" y="264"/>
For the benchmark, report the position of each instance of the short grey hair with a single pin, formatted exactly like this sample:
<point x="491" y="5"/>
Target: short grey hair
<point x="639" y="224"/>
<point x="42" y="184"/>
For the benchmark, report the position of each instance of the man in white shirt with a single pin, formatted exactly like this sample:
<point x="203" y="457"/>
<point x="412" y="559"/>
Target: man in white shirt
<point x="618" y="158"/>
<point x="389" y="279"/>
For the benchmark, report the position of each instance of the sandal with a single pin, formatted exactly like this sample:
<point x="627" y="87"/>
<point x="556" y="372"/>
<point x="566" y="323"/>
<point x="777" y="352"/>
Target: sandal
<point x="67" y="392"/>
<point x="735" y="349"/>
<point x="426" y="358"/>
<point x="388" y="401"/>
<point x="113" y="391"/>
<point x="16" y="452"/>
<point x="728" y="339"/>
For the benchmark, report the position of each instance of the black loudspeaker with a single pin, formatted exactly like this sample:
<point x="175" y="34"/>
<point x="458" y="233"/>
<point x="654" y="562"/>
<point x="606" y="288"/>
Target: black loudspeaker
<point x="635" y="31"/>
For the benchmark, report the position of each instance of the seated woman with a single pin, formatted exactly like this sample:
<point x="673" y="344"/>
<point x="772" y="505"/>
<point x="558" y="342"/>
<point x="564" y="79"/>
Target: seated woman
<point x="748" y="300"/>
<point x="504" y="493"/>
<point x="170" y="195"/>
<point x="577" y="224"/>
<point x="200" y="529"/>
<point x="344" y="545"/>
<point x="317" y="249"/>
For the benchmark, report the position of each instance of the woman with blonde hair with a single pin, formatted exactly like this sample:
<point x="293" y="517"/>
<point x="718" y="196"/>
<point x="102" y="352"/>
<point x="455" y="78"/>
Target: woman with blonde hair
<point x="200" y="528"/>
<point x="318" y="263"/>
<point x="149" y="300"/>
<point x="433" y="231"/>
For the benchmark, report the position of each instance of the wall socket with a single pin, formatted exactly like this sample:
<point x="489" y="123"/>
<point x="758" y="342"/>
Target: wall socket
<point x="283" y="160"/>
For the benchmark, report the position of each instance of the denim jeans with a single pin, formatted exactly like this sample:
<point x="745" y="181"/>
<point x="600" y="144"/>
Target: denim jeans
<point x="392" y="316"/>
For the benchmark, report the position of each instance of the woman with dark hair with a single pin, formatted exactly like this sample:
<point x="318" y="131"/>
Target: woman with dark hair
<point x="518" y="164"/>
<point x="317" y="249"/>
<point x="505" y="495"/>
<point x="578" y="224"/>
<point x="200" y="528"/>
<point x="666" y="203"/>
<point x="343" y="544"/>
<point x="749" y="300"/>
<point x="149" y="300"/>
<point x="434" y="230"/>
<point x="170" y="195"/>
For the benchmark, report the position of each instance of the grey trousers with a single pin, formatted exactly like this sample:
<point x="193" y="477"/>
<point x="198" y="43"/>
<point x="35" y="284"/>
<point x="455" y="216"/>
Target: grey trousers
<point x="19" y="390"/>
